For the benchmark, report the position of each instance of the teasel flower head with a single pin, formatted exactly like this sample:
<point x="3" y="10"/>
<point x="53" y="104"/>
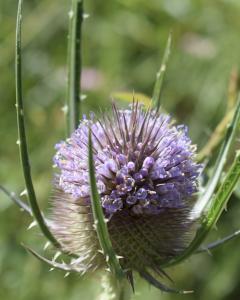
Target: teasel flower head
<point x="146" y="177"/>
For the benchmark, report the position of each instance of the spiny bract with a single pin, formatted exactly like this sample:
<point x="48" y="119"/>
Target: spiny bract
<point x="146" y="176"/>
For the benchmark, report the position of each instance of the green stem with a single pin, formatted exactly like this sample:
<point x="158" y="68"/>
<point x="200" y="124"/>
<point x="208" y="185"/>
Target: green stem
<point x="73" y="102"/>
<point x="113" y="289"/>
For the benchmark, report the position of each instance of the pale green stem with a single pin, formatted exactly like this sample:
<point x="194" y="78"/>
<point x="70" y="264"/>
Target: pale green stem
<point x="113" y="289"/>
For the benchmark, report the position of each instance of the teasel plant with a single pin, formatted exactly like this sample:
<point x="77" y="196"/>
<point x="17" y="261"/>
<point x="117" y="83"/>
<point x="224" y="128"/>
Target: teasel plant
<point x="129" y="195"/>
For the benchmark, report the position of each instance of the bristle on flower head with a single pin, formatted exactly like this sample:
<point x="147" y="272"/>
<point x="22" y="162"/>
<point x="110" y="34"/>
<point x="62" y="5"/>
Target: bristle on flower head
<point x="146" y="177"/>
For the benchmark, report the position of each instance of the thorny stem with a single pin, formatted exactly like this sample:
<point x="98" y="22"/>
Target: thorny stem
<point x="73" y="101"/>
<point x="113" y="289"/>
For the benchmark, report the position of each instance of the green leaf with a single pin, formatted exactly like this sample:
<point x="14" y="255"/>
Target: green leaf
<point x="218" y="203"/>
<point x="22" y="140"/>
<point x="208" y="203"/>
<point x="204" y="201"/>
<point x="100" y="223"/>
<point x="156" y="98"/>
<point x="73" y="102"/>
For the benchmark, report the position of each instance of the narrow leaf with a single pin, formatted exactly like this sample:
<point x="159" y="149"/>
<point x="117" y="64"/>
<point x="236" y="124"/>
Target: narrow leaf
<point x="52" y="263"/>
<point x="99" y="219"/>
<point x="156" y="98"/>
<point x="22" y="140"/>
<point x="218" y="203"/>
<point x="204" y="201"/>
<point x="218" y="243"/>
<point x="73" y="101"/>
<point x="149" y="278"/>
<point x="16" y="200"/>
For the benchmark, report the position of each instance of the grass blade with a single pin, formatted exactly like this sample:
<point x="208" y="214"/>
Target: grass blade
<point x="74" y="66"/>
<point x="22" y="140"/>
<point x="218" y="203"/>
<point x="156" y="98"/>
<point x="99" y="219"/>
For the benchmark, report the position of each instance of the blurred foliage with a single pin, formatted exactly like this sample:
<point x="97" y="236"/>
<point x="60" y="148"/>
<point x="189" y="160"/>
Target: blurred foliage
<point x="123" y="45"/>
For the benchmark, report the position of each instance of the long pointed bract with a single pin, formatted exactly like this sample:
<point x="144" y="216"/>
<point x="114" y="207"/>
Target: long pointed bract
<point x="218" y="243"/>
<point x="204" y="201"/>
<point x="149" y="278"/>
<point x="218" y="203"/>
<point x="99" y="219"/>
<point x="52" y="263"/>
<point x="16" y="200"/>
<point x="22" y="140"/>
<point x="156" y="98"/>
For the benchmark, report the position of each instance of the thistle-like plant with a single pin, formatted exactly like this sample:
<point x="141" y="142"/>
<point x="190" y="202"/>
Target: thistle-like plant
<point x="127" y="195"/>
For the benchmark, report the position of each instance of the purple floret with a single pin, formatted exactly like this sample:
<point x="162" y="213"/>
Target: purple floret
<point x="144" y="163"/>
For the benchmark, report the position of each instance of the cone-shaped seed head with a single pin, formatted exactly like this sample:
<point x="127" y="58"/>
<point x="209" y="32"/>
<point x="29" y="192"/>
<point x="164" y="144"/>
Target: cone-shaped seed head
<point x="146" y="177"/>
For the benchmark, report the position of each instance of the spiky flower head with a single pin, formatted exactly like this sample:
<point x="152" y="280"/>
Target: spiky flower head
<point x="146" y="177"/>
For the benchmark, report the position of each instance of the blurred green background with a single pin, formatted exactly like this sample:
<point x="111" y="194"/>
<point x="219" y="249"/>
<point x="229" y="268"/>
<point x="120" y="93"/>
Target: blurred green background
<point x="123" y="42"/>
